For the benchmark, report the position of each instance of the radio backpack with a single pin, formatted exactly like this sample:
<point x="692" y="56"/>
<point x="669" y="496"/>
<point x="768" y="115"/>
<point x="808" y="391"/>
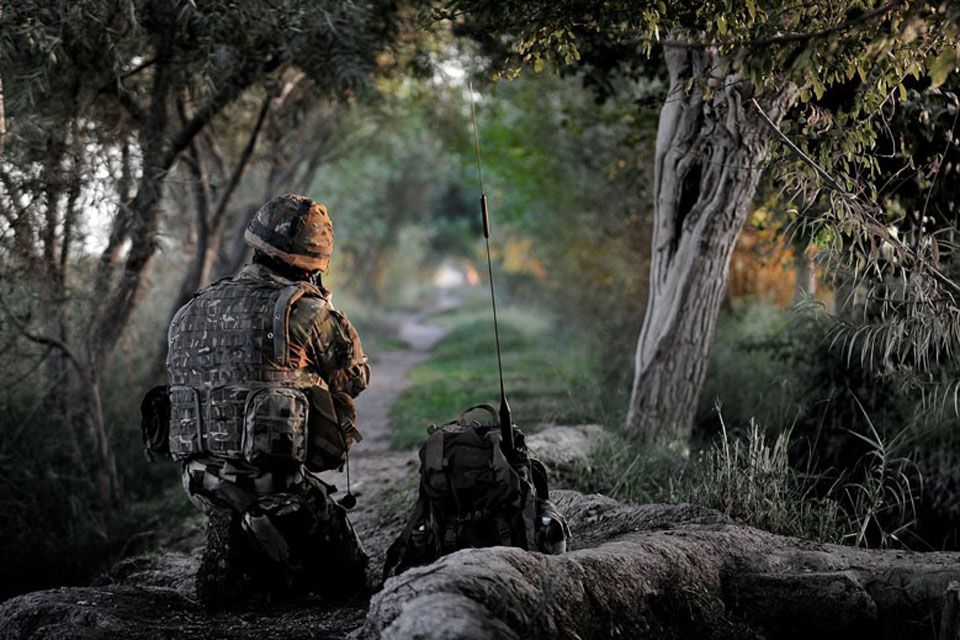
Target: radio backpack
<point x="474" y="492"/>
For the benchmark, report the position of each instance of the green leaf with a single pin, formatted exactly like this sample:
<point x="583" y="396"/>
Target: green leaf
<point x="940" y="67"/>
<point x="818" y="88"/>
<point x="722" y="24"/>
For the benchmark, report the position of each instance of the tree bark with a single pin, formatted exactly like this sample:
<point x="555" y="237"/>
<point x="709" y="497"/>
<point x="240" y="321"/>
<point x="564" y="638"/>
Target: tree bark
<point x="3" y="119"/>
<point x="709" y="154"/>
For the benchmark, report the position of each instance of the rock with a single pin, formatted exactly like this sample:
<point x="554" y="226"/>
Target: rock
<point x="107" y="612"/>
<point x="562" y="448"/>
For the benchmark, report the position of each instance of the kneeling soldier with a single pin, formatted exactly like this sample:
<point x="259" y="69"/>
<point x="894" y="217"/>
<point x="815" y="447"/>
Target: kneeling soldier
<point x="263" y="372"/>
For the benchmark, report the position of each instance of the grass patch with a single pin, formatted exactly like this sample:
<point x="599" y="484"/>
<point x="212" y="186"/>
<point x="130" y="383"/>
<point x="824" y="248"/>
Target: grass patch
<point x="548" y="373"/>
<point x="746" y="477"/>
<point x="397" y="499"/>
<point x="390" y="344"/>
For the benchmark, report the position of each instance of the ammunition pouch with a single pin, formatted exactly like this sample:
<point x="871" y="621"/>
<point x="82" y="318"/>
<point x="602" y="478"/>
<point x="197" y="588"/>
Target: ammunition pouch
<point x="267" y="426"/>
<point x="326" y="441"/>
<point x="275" y="427"/>
<point x="155" y="422"/>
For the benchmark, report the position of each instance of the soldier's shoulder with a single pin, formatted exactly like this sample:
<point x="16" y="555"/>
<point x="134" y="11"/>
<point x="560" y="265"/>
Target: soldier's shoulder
<point x="310" y="309"/>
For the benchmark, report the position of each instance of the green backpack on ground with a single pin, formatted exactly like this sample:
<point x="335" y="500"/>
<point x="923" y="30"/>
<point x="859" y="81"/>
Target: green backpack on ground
<point x="475" y="493"/>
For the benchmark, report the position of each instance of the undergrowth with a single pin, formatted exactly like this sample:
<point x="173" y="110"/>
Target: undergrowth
<point x="743" y="470"/>
<point x="749" y="478"/>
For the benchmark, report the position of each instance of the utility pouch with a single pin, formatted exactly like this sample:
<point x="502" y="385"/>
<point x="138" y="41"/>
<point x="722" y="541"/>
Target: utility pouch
<point x="155" y="422"/>
<point x="275" y="427"/>
<point x="326" y="445"/>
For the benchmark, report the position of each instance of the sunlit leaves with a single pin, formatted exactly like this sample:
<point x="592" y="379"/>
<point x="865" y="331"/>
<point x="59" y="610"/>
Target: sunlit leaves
<point x="940" y="66"/>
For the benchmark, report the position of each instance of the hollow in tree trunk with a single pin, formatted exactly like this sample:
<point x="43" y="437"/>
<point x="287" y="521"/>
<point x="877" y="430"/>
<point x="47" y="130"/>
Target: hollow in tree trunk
<point x="711" y="146"/>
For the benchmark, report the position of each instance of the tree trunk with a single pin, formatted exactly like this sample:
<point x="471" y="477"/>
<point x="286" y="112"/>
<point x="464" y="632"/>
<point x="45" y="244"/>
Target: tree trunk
<point x="662" y="572"/>
<point x="106" y="478"/>
<point x="3" y="120"/>
<point x="709" y="155"/>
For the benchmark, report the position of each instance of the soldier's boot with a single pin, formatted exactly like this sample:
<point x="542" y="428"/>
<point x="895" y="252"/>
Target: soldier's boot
<point x="223" y="578"/>
<point x="340" y="569"/>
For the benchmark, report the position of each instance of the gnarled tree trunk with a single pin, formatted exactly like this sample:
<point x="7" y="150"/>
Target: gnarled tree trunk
<point x="709" y="155"/>
<point x="663" y="572"/>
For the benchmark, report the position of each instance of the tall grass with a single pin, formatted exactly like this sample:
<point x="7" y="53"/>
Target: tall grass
<point x="749" y="478"/>
<point x="883" y="503"/>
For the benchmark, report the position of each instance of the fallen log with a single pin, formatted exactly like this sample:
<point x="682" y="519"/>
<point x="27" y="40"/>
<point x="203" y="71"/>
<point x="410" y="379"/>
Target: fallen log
<point x="667" y="571"/>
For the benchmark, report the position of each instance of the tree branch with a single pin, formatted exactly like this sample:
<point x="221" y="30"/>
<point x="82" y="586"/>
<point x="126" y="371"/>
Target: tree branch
<point x="242" y="163"/>
<point x="870" y="222"/>
<point x="230" y="89"/>
<point x="43" y="339"/>
<point x="794" y="37"/>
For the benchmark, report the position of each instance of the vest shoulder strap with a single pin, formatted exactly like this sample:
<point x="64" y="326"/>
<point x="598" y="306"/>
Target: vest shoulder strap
<point x="281" y="318"/>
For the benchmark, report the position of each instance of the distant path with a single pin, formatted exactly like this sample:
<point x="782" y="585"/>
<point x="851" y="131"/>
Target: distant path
<point x="373" y="466"/>
<point x="389" y="377"/>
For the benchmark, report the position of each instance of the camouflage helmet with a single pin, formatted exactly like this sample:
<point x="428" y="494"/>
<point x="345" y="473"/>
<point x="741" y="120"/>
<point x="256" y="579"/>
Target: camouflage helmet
<point x="294" y="229"/>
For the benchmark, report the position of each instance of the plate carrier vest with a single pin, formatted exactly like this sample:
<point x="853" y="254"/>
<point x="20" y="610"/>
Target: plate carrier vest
<point x="233" y="392"/>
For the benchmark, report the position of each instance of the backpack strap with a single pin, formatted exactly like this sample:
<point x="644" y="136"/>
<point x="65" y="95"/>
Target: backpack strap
<point x="495" y="419"/>
<point x="433" y="453"/>
<point x="398" y="555"/>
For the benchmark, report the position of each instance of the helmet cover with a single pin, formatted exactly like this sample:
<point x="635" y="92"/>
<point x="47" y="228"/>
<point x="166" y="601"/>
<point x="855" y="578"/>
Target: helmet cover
<point x="295" y="230"/>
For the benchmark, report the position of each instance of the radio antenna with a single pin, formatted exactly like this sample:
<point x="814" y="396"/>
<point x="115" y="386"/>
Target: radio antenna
<point x="506" y="421"/>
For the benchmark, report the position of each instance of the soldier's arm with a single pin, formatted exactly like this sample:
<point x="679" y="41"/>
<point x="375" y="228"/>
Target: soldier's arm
<point x="332" y="348"/>
<point x="326" y="342"/>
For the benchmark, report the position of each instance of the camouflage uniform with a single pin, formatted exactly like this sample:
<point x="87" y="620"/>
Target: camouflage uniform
<point x="263" y="372"/>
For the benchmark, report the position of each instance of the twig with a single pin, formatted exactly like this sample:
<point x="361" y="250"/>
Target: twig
<point x="946" y="147"/>
<point x="42" y="339"/>
<point x="869" y="220"/>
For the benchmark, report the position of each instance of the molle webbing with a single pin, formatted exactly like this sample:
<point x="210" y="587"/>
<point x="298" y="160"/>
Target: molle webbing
<point x="228" y="339"/>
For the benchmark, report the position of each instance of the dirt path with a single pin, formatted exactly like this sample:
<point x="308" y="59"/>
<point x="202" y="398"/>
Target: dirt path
<point x="388" y="379"/>
<point x="374" y="468"/>
<point x="372" y="464"/>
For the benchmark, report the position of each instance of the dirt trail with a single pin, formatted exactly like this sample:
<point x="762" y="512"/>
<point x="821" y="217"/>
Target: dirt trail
<point x="374" y="468"/>
<point x="388" y="379"/>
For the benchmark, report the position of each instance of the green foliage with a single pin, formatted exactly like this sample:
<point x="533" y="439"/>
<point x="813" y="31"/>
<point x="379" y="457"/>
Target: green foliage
<point x="748" y="374"/>
<point x="869" y="440"/>
<point x="568" y="178"/>
<point x="751" y="480"/>
<point x="548" y="374"/>
<point x="53" y="531"/>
